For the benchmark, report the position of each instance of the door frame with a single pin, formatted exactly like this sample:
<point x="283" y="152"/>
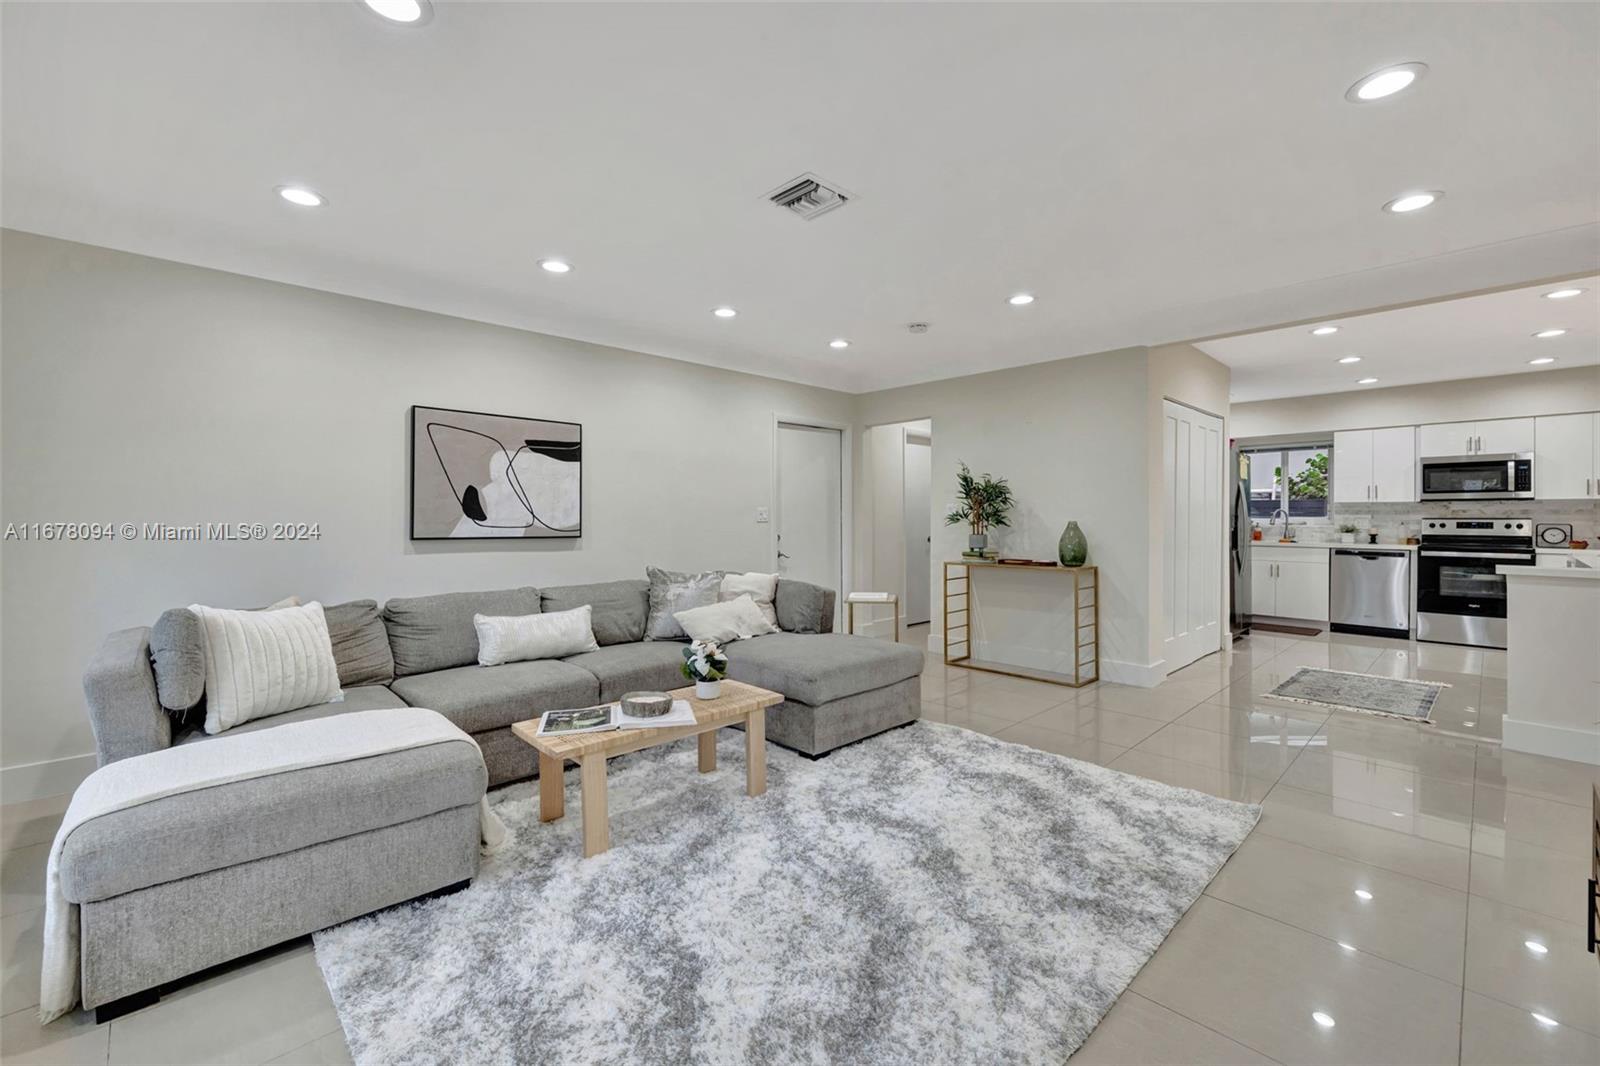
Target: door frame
<point x="905" y="443"/>
<point x="846" y="496"/>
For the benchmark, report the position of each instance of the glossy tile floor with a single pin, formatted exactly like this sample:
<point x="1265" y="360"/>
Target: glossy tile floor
<point x="1422" y="892"/>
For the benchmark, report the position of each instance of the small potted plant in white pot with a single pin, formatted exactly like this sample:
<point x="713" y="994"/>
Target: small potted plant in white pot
<point x="706" y="666"/>
<point x="1347" y="533"/>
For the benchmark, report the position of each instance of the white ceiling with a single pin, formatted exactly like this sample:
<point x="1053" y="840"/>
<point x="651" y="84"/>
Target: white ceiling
<point x="1154" y="172"/>
<point x="1476" y="336"/>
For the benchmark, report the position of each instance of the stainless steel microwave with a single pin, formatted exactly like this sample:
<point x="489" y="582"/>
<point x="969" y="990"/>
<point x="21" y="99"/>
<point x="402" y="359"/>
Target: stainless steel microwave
<point x="1508" y="476"/>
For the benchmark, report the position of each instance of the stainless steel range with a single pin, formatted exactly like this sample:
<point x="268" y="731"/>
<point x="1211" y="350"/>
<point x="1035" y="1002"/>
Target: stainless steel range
<point x="1460" y="597"/>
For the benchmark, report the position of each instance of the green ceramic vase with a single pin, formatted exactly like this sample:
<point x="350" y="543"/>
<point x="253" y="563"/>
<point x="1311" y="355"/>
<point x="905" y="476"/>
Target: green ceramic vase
<point x="1074" y="549"/>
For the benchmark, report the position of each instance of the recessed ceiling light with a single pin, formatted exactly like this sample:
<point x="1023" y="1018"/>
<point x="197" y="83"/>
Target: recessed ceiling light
<point x="1366" y="381"/>
<point x="301" y="196"/>
<point x="1543" y="1019"/>
<point x="1324" y="331"/>
<point x="1564" y="294"/>
<point x="1545" y="334"/>
<point x="1363" y="895"/>
<point x="1385" y="82"/>
<point x="1021" y="299"/>
<point x="839" y="343"/>
<point x="405" y="12"/>
<point x="1347" y="947"/>
<point x="724" y="312"/>
<point x="1543" y="361"/>
<point x="1412" y="201"/>
<point x="1536" y="947"/>
<point x="556" y="266"/>
<point x="1350" y="359"/>
<point x="1324" y="1020"/>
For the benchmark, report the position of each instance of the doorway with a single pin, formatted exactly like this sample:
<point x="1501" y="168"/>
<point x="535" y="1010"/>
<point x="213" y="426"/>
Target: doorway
<point x="809" y="523"/>
<point x="917" y="532"/>
<point x="1192" y="458"/>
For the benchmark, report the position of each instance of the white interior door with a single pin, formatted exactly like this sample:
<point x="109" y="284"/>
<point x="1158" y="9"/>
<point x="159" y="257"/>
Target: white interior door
<point x="918" y="524"/>
<point x="1192" y="584"/>
<point x="810" y="506"/>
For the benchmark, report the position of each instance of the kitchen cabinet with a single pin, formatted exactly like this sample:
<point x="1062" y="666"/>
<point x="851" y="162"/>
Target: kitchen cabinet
<point x="1375" y="465"/>
<point x="1289" y="582"/>
<point x="1494" y="436"/>
<point x="1567" y="457"/>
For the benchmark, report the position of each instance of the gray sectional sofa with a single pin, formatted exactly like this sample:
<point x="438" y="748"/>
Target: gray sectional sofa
<point x="837" y="689"/>
<point x="159" y="885"/>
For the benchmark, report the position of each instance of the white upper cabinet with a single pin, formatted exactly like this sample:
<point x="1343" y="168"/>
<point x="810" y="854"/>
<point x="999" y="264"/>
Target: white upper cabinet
<point x="1500" y="435"/>
<point x="1494" y="436"/>
<point x="1375" y="465"/>
<point x="1394" y="464"/>
<point x="1352" y="466"/>
<point x="1446" y="438"/>
<point x="1567" y="460"/>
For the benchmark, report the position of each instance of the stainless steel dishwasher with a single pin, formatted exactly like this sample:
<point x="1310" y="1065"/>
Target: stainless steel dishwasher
<point x="1369" y="591"/>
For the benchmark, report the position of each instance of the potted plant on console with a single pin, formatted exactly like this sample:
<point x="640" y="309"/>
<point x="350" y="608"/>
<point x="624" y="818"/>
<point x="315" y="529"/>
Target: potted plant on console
<point x="1347" y="533"/>
<point x="981" y="502"/>
<point x="706" y="666"/>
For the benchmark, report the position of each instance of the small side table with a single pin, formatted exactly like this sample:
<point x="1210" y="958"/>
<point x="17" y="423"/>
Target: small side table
<point x="871" y="599"/>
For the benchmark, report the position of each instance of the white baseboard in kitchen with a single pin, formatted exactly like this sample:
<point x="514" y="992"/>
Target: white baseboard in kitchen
<point x="1558" y="742"/>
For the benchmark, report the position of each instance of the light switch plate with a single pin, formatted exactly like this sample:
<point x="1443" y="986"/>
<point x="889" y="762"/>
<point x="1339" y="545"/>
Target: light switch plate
<point x="763" y="515"/>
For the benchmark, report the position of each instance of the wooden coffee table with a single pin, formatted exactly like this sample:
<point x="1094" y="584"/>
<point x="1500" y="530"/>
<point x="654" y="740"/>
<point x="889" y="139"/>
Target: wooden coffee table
<point x="739" y="703"/>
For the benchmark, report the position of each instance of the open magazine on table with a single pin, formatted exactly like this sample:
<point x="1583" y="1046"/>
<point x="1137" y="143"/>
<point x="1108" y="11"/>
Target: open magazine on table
<point x="606" y="716"/>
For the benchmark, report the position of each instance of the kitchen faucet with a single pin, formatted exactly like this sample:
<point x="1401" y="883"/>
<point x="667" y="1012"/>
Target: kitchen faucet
<point x="1274" y="518"/>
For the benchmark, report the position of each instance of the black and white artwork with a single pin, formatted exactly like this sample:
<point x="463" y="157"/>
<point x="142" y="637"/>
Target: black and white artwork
<point x="483" y="475"/>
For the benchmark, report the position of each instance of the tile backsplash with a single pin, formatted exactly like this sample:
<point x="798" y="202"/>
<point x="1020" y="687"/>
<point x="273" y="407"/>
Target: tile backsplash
<point x="1395" y="521"/>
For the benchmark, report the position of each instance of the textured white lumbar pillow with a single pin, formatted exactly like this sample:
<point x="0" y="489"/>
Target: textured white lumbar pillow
<point x="724" y="622"/>
<point x="517" y="638"/>
<point x="762" y="588"/>
<point x="260" y="663"/>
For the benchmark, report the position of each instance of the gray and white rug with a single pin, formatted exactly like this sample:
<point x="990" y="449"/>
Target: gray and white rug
<point x="931" y="895"/>
<point x="1391" y="697"/>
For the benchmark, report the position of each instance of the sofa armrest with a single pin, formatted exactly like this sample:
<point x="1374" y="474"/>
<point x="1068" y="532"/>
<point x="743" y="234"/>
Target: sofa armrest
<point x="121" y="689"/>
<point x="803" y="608"/>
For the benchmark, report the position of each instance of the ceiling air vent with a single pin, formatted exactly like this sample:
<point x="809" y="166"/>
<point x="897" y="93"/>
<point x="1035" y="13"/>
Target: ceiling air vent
<point x="808" y="197"/>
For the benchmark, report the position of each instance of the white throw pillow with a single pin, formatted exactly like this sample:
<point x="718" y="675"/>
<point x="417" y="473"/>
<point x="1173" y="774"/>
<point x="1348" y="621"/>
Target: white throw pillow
<point x="762" y="588"/>
<point x="518" y="638"/>
<point x="260" y="663"/>
<point x="725" y="622"/>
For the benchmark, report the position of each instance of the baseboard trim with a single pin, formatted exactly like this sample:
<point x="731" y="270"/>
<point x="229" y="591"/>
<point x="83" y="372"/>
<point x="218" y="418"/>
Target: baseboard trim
<point x="1558" y="742"/>
<point x="1144" y="675"/>
<point x="38" y="780"/>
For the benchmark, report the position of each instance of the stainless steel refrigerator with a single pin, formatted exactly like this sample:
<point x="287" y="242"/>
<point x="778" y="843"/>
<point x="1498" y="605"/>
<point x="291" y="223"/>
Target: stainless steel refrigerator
<point x="1239" y="546"/>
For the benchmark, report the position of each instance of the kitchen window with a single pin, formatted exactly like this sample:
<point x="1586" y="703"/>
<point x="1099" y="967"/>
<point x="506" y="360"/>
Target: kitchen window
<point x="1294" y="479"/>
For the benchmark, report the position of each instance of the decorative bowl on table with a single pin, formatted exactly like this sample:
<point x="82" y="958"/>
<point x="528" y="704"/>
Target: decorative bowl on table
<point x="646" y="704"/>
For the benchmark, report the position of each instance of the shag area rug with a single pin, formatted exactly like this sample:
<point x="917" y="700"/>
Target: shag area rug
<point x="929" y="896"/>
<point x="1367" y="693"/>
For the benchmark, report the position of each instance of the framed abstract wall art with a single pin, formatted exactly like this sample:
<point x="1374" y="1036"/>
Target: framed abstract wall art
<point x="476" y="475"/>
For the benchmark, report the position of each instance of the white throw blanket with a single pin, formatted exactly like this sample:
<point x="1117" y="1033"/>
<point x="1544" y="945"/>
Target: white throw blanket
<point x="187" y="767"/>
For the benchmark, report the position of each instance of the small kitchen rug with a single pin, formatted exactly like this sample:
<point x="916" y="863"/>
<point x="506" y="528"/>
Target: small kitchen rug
<point x="1366" y="693"/>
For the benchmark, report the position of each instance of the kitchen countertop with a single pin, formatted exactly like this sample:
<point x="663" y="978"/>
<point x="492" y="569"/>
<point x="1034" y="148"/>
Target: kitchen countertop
<point x="1325" y="545"/>
<point x="1585" y="573"/>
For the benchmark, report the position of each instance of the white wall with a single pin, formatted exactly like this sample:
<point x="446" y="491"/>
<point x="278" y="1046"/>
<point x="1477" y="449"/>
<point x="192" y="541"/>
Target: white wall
<point x="1548" y="392"/>
<point x="1070" y="435"/>
<point x="142" y="390"/>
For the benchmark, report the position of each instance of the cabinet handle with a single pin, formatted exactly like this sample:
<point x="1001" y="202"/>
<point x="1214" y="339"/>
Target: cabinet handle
<point x="1469" y="444"/>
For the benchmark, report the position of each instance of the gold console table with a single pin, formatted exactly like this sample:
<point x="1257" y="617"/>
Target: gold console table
<point x="1085" y="599"/>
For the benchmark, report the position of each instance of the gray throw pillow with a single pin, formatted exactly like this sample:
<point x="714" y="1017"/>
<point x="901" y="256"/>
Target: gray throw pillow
<point x="360" y="644"/>
<point x="671" y="592"/>
<point x="178" y="657"/>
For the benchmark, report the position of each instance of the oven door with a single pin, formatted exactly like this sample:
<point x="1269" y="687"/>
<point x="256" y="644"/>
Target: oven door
<point x="1464" y="582"/>
<point x="1476" y="477"/>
